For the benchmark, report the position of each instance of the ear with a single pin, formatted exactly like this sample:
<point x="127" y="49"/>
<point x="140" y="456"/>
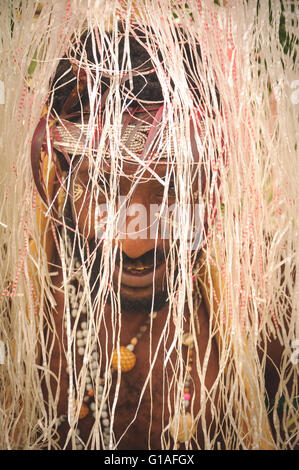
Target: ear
<point x="57" y="196"/>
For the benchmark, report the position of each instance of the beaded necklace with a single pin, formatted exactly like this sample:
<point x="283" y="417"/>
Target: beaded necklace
<point x="181" y="427"/>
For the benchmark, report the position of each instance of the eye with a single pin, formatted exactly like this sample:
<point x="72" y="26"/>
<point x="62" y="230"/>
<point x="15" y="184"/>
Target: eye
<point x="102" y="187"/>
<point x="103" y="184"/>
<point x="169" y="191"/>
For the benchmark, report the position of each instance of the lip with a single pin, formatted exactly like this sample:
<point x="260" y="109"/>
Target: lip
<point x="140" y="279"/>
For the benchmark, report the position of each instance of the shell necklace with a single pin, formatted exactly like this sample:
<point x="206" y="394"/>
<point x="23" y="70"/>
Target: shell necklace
<point x="123" y="359"/>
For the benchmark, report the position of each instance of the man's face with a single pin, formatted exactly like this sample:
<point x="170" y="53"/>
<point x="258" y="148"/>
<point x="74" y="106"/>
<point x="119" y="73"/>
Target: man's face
<point x="145" y="204"/>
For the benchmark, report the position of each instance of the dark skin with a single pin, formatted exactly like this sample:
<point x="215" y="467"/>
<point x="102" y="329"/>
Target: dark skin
<point x="132" y="382"/>
<point x="137" y="437"/>
<point x="146" y="428"/>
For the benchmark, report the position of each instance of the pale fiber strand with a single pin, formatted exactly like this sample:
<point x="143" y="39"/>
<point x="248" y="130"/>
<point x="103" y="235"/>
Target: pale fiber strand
<point x="258" y="192"/>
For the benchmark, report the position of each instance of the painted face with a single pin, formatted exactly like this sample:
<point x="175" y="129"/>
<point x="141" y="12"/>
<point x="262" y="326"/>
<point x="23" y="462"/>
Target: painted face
<point x="144" y="206"/>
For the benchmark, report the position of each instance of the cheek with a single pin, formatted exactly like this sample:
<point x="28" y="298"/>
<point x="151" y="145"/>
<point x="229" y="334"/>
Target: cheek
<point x="84" y="217"/>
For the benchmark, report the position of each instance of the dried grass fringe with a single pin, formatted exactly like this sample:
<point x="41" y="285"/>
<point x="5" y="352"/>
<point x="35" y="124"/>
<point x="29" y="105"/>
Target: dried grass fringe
<point x="252" y="251"/>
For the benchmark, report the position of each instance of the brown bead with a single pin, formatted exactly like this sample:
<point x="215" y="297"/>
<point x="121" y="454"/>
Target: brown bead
<point x="127" y="359"/>
<point x="84" y="410"/>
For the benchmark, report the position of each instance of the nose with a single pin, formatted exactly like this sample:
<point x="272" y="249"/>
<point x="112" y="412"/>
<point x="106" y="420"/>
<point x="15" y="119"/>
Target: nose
<point x="136" y="248"/>
<point x="136" y="239"/>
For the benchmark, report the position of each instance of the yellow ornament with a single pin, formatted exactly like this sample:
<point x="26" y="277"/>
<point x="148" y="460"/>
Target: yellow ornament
<point x="61" y="200"/>
<point x="182" y="427"/>
<point x="127" y="359"/>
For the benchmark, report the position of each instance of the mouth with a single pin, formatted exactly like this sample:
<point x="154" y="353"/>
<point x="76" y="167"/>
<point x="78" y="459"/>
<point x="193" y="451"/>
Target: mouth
<point x="145" y="271"/>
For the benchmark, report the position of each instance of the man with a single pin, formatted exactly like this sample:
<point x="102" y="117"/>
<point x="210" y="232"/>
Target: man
<point x="135" y="410"/>
<point x="135" y="358"/>
<point x="154" y="312"/>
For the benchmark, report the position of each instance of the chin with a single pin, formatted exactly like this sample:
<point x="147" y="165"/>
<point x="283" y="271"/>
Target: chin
<point x="144" y="301"/>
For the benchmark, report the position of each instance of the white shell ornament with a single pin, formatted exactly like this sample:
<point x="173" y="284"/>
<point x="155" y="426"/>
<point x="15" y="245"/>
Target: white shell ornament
<point x="188" y="339"/>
